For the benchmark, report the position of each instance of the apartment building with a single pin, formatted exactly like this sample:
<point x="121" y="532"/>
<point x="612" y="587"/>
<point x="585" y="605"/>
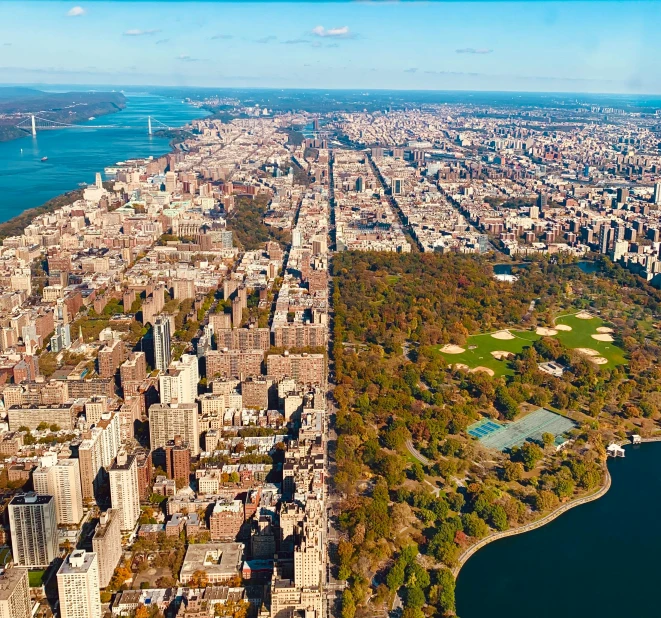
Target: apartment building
<point x="124" y="490"/>
<point x="78" y="586"/>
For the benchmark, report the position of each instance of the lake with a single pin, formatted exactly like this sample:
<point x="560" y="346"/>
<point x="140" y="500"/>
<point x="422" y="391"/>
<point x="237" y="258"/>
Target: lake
<point x="75" y="155"/>
<point x="506" y="269"/>
<point x="599" y="559"/>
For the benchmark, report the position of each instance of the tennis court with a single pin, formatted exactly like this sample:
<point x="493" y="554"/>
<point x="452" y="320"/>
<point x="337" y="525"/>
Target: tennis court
<point x="483" y="428"/>
<point x="530" y="427"/>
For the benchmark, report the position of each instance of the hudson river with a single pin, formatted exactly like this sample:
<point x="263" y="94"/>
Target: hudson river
<point x="599" y="559"/>
<point x="75" y="155"/>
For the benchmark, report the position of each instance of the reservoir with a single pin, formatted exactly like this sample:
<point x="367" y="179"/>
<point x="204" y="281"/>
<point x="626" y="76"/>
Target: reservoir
<point x="598" y="559"/>
<point x="75" y="155"/>
<point x="506" y="269"/>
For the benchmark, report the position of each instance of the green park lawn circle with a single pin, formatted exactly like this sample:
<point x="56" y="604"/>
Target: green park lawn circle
<point x="580" y="336"/>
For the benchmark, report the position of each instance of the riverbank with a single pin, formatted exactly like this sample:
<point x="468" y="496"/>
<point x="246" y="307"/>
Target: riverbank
<point x="16" y="225"/>
<point x="65" y="107"/>
<point x="75" y="155"/>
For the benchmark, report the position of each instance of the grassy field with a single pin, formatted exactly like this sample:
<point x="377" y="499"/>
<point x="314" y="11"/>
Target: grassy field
<point x="484" y="344"/>
<point x="478" y="348"/>
<point x="35" y="578"/>
<point x="580" y="336"/>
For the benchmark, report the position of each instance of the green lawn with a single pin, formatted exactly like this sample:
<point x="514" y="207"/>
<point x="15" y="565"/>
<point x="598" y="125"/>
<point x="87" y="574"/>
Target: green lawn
<point x="485" y="344"/>
<point x="36" y="578"/>
<point x="580" y="336"/>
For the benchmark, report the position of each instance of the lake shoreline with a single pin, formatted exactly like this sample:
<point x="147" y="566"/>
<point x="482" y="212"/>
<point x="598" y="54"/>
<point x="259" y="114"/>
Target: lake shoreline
<point x="547" y="519"/>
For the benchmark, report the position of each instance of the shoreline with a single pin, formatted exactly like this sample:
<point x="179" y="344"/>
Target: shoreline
<point x="534" y="525"/>
<point x="11" y="136"/>
<point x="563" y="508"/>
<point x="10" y="227"/>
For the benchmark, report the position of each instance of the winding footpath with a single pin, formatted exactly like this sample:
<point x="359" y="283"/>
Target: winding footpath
<point x="464" y="556"/>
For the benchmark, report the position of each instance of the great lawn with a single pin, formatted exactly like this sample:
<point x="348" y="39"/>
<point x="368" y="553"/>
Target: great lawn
<point x="580" y="336"/>
<point x="484" y="344"/>
<point x="478" y="348"/>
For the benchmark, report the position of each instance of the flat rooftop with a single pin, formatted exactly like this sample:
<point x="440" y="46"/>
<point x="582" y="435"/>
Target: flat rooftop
<point x="216" y="559"/>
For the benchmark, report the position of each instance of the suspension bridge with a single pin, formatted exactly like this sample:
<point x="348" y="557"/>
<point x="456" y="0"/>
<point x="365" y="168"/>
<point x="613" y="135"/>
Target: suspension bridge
<point x="34" y="123"/>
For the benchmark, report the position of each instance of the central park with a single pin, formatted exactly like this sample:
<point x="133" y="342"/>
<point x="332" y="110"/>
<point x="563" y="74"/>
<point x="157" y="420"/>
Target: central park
<point x="556" y="364"/>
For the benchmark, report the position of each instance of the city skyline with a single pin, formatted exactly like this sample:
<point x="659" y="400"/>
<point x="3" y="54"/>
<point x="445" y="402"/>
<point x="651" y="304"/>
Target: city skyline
<point x="513" y="46"/>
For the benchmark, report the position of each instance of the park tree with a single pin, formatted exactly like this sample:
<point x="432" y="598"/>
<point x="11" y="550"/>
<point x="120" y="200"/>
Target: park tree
<point x="415" y="597"/>
<point x="548" y="438"/>
<point x="474" y="525"/>
<point x="545" y="500"/>
<point x="530" y="455"/>
<point x="348" y="604"/>
<point x="512" y="471"/>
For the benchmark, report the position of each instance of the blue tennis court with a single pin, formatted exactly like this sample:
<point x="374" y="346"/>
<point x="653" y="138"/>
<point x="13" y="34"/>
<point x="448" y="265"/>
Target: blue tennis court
<point x="530" y="427"/>
<point x="483" y="428"/>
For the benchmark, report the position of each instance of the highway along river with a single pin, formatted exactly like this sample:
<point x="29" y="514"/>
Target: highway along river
<point x="75" y="155"/>
<point x="598" y="559"/>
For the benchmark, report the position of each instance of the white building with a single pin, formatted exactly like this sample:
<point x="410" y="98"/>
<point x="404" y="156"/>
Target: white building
<point x="78" y="586"/>
<point x="169" y="420"/>
<point x="60" y="478"/>
<point x="124" y="490"/>
<point x="15" y="594"/>
<point x="179" y="384"/>
<point x="162" y="343"/>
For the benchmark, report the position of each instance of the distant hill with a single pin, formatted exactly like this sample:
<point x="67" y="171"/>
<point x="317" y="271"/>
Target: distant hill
<point x="17" y="102"/>
<point x="18" y="92"/>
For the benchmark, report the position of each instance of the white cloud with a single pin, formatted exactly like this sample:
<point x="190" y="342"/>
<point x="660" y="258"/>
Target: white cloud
<point x="137" y="32"/>
<point x="187" y="58"/>
<point x="340" y="33"/>
<point x="472" y="50"/>
<point x="76" y="11"/>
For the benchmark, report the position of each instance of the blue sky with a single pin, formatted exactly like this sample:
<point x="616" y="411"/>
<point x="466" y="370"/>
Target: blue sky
<point x="525" y="46"/>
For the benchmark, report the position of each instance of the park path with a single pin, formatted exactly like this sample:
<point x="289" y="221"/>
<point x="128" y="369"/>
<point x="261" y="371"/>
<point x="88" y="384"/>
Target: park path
<point x="419" y="456"/>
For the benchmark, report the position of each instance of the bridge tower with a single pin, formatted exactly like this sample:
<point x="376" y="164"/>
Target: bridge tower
<point x="149" y="124"/>
<point x="34" y="127"/>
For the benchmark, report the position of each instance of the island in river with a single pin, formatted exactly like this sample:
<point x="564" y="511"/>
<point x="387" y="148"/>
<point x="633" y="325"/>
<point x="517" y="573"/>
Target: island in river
<point x="18" y="104"/>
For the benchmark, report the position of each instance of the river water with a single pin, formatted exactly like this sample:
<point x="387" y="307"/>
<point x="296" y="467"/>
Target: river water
<point x="598" y="559"/>
<point x="75" y="155"/>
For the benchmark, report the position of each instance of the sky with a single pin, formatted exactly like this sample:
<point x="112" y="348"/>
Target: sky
<point x="566" y="46"/>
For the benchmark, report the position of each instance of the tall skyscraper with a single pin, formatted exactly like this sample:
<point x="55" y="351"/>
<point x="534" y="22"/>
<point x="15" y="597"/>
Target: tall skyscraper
<point x="78" y="586"/>
<point x="170" y="182"/>
<point x="179" y="384"/>
<point x="657" y="194"/>
<point x="167" y="421"/>
<point x="124" y="490"/>
<point x="542" y="201"/>
<point x="33" y="525"/>
<point x="15" y="594"/>
<point x="97" y="452"/>
<point x="61" y="479"/>
<point x="162" y="350"/>
<point x="107" y="544"/>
